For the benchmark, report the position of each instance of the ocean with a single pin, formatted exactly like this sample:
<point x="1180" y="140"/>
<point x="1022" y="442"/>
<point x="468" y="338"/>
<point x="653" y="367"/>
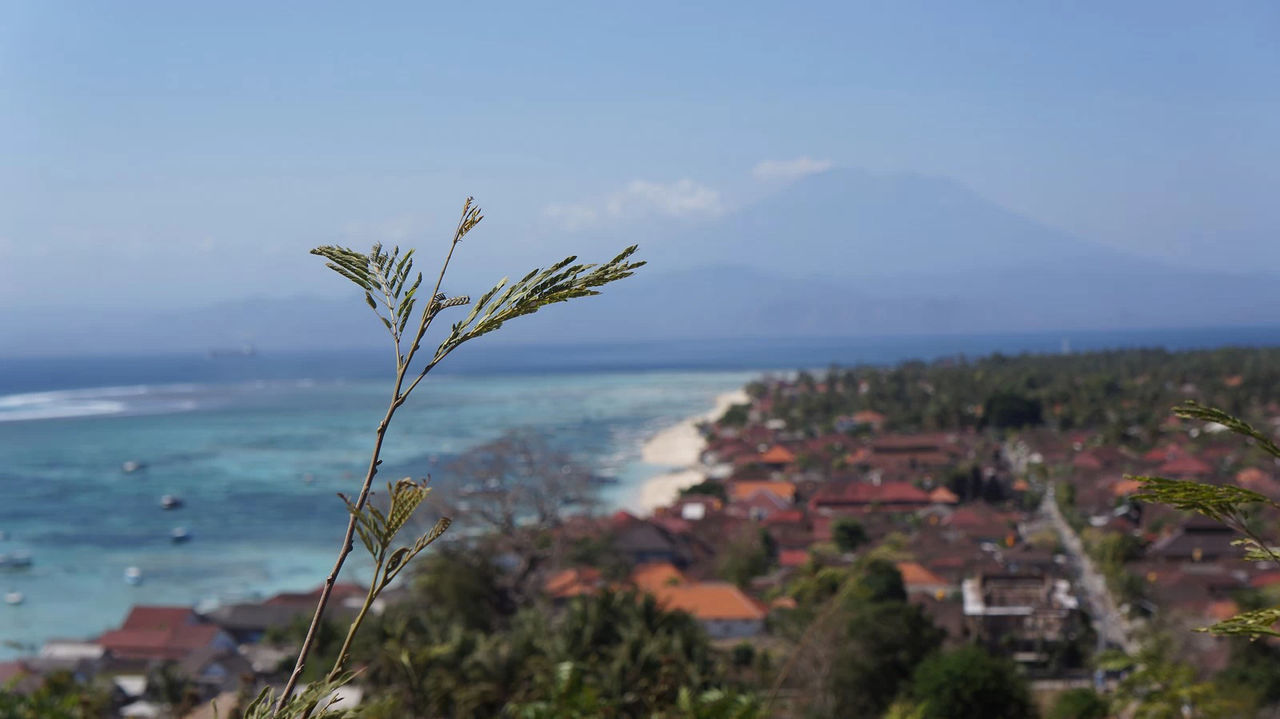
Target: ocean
<point x="257" y="447"/>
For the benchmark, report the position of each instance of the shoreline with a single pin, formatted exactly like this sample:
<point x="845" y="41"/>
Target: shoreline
<point x="679" y="449"/>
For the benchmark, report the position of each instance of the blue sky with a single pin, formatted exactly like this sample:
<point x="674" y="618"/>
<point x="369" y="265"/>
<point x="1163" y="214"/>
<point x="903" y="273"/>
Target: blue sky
<point x="184" y="153"/>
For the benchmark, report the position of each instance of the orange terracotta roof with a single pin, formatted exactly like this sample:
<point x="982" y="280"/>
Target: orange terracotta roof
<point x="741" y="490"/>
<point x="858" y="457"/>
<point x="778" y="454"/>
<point x="1126" y="487"/>
<point x="783" y="603"/>
<point x="942" y="495"/>
<point x="868" y="416"/>
<point x="1020" y="485"/>
<point x="710" y="600"/>
<point x="914" y="574"/>
<point x="1222" y="609"/>
<point x="655" y="577"/>
<point x="572" y="582"/>
<point x="1250" y="476"/>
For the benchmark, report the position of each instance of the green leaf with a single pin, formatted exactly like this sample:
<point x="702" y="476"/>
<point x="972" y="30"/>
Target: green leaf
<point x="1254" y="624"/>
<point x="1194" y="410"/>
<point x="405" y="498"/>
<point x="1220" y="502"/>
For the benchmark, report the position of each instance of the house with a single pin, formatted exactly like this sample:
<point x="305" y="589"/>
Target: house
<point x="1024" y="614"/>
<point x="865" y="496"/>
<point x="983" y="524"/>
<point x="761" y="503"/>
<point x="248" y="622"/>
<point x="640" y="541"/>
<point x="777" y="457"/>
<point x="917" y="579"/>
<point x="152" y="633"/>
<point x="216" y="670"/>
<point x="1199" y="540"/>
<point x="1185" y="467"/>
<point x="723" y="610"/>
<point x="741" y="491"/>
<point x="573" y="582"/>
<point x="942" y="495"/>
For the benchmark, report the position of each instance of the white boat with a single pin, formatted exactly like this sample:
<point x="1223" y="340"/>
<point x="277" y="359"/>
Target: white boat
<point x="133" y="575"/>
<point x="170" y="501"/>
<point x="14" y="598"/>
<point x="132" y="466"/>
<point x="179" y="535"/>
<point x="15" y="560"/>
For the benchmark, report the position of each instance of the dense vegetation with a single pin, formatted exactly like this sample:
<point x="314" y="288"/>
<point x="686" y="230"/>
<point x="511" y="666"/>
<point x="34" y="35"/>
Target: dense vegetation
<point x="1124" y="393"/>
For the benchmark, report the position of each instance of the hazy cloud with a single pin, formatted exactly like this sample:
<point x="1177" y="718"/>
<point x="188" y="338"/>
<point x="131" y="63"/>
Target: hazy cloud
<point x="641" y="198"/>
<point x="789" y="169"/>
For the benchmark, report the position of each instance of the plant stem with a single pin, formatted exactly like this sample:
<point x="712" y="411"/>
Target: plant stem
<point x="343" y="552"/>
<point x="374" y="587"/>
<point x="397" y="399"/>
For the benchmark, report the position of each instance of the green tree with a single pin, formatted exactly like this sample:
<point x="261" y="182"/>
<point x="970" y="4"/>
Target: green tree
<point x="969" y="683"/>
<point x="1158" y="686"/>
<point x="709" y="488"/>
<point x="1009" y="410"/>
<point x="879" y="648"/>
<point x="1078" y="704"/>
<point x="878" y="580"/>
<point x="59" y="696"/>
<point x="849" y="534"/>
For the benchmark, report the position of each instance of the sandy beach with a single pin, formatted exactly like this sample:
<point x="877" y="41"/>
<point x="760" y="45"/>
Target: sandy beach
<point x="679" y="448"/>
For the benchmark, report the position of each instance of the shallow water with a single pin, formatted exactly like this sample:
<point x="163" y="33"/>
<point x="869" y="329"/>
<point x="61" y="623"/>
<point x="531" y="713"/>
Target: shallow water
<point x="258" y="465"/>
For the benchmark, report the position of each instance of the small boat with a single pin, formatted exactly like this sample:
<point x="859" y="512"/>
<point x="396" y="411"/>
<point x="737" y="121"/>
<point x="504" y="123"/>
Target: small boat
<point x="133" y="575"/>
<point x="14" y="598"/>
<point x="132" y="466"/>
<point x="15" y="560"/>
<point x="178" y="535"/>
<point x="170" y="501"/>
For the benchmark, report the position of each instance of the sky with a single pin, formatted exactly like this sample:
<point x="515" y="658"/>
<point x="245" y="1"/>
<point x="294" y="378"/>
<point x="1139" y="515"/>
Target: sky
<point x="160" y="154"/>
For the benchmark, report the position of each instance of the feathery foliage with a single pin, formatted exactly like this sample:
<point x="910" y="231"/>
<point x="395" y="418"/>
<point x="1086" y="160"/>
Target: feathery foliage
<point x="1229" y="504"/>
<point x="390" y="286"/>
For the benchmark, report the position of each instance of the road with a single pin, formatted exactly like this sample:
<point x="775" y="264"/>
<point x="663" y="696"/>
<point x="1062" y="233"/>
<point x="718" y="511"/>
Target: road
<point x="1114" y="629"/>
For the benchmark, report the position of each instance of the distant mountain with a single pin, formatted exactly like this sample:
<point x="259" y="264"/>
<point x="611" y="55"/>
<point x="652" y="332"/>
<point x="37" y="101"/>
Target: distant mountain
<point x="836" y="254"/>
<point x="848" y="223"/>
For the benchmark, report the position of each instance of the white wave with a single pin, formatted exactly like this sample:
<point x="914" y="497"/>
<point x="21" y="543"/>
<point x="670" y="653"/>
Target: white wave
<point x="97" y="401"/>
<point x="62" y="410"/>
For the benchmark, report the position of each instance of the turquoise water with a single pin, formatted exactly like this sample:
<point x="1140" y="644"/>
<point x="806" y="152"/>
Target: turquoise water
<point x="258" y="464"/>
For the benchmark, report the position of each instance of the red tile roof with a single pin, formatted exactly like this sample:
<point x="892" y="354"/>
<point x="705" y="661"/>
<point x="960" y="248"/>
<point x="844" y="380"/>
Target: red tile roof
<point x="172" y="643"/>
<point x="154" y="617"/>
<point x="1185" y="466"/>
<point x="792" y="557"/>
<point x="851" y="494"/>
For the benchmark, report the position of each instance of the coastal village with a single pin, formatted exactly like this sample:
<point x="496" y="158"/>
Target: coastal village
<point x="1028" y="543"/>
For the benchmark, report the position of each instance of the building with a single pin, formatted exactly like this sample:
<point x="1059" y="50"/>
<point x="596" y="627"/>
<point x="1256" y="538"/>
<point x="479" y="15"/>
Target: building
<point x="1023" y="615"/>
